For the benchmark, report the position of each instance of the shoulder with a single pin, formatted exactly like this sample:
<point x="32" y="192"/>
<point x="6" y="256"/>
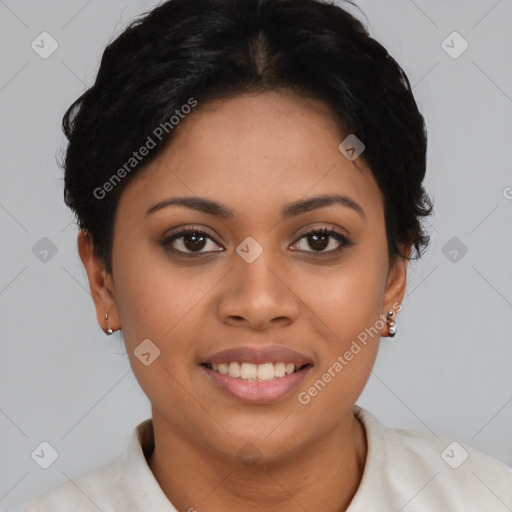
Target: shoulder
<point x="97" y="489"/>
<point x="426" y="470"/>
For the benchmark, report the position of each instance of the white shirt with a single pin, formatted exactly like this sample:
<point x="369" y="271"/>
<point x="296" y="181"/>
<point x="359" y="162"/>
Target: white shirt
<point x="405" y="470"/>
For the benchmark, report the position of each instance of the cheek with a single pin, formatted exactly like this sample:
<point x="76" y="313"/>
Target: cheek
<point x="348" y="299"/>
<point x="166" y="306"/>
<point x="334" y="391"/>
<point x="160" y="306"/>
<point x="349" y="309"/>
<point x="351" y="322"/>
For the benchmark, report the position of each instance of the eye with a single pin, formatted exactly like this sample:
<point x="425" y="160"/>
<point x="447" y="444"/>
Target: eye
<point x="193" y="240"/>
<point x="320" y="239"/>
<point x="189" y="241"/>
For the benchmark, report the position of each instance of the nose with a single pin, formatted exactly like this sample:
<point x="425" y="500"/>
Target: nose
<point x="258" y="295"/>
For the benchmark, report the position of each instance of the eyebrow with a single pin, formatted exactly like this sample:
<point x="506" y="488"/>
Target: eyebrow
<point x="289" y="210"/>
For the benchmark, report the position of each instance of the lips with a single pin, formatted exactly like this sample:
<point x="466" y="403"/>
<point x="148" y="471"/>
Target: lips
<point x="258" y="376"/>
<point x="272" y="354"/>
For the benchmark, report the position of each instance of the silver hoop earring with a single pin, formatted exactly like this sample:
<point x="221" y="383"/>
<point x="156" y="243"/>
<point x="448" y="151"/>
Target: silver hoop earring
<point x="109" y="330"/>
<point x="391" y="323"/>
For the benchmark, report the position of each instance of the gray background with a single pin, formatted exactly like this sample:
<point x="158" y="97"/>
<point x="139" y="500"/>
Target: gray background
<point x="447" y="370"/>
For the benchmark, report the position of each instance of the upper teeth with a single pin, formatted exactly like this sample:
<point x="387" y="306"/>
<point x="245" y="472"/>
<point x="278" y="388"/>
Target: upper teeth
<point x="253" y="372"/>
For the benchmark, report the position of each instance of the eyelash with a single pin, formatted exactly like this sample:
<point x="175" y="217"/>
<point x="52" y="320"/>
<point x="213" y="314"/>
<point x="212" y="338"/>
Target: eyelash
<point x="345" y="242"/>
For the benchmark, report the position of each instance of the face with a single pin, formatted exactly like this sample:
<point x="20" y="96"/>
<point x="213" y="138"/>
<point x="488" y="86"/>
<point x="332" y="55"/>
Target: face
<point x="268" y="281"/>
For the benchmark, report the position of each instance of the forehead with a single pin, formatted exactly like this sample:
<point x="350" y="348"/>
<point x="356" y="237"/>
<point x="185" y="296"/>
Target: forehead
<point x="254" y="151"/>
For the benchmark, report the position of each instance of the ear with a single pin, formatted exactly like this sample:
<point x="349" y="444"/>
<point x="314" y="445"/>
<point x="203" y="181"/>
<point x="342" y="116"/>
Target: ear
<point x="100" y="283"/>
<point x="396" y="283"/>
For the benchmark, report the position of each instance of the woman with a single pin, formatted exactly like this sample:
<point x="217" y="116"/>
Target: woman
<point x="247" y="180"/>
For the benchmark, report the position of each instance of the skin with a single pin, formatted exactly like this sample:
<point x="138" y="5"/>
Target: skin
<point x="252" y="153"/>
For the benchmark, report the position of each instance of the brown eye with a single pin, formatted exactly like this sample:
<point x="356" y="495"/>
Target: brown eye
<point x="319" y="239"/>
<point x="189" y="241"/>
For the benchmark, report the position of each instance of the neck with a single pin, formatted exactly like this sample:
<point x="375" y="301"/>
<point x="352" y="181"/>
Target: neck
<point x="322" y="477"/>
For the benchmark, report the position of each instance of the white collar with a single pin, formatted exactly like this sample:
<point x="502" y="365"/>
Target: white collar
<point x="148" y="495"/>
<point x="143" y="487"/>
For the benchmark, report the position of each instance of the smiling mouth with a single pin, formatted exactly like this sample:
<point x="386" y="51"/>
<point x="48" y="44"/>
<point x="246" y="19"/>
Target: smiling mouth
<point x="251" y="372"/>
